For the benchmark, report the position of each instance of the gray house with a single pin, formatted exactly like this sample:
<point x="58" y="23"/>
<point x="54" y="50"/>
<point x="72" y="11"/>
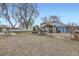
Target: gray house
<point x="55" y="27"/>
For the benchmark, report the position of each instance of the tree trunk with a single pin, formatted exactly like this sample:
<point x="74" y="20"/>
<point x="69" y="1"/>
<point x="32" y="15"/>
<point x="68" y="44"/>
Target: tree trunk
<point x="11" y="24"/>
<point x="26" y="24"/>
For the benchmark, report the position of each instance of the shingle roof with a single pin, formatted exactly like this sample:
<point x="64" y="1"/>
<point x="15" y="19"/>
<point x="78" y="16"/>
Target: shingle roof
<point x="54" y="24"/>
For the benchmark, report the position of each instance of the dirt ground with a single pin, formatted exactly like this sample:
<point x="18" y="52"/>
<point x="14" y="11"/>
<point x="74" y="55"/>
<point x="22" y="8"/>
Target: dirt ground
<point x="38" y="45"/>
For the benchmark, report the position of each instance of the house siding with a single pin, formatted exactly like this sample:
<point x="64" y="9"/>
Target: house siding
<point x="61" y="27"/>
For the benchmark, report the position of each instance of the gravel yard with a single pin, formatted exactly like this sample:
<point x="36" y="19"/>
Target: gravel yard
<point x="38" y="45"/>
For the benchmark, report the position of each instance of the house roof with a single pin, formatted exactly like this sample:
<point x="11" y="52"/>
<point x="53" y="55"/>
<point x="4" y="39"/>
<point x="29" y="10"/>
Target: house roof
<point x="53" y="24"/>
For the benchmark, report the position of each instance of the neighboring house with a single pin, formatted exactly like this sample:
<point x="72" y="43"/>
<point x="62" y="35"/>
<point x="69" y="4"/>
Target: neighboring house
<point x="55" y="27"/>
<point x="3" y="28"/>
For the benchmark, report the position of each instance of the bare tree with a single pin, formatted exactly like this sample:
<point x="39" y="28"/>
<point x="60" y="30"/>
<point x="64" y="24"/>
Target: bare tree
<point x="45" y="19"/>
<point x="6" y="12"/>
<point x="54" y="19"/>
<point x="12" y="14"/>
<point x="22" y="13"/>
<point x="51" y="19"/>
<point x="73" y="27"/>
<point x="26" y="13"/>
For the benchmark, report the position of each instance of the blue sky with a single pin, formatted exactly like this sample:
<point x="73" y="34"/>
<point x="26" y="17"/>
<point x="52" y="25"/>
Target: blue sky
<point x="66" y="12"/>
